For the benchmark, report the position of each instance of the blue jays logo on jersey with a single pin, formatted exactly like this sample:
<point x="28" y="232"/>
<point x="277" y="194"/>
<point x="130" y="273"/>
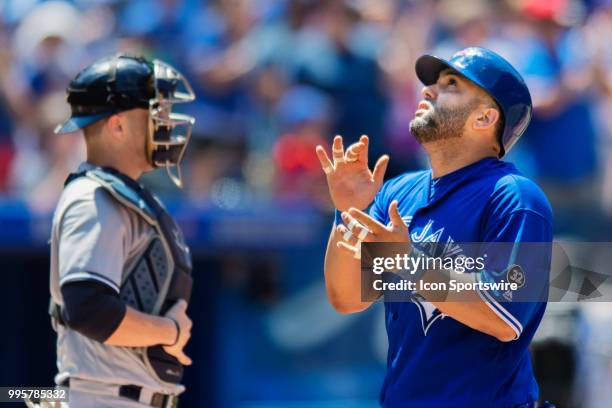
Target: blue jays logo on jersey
<point x="428" y="240"/>
<point x="429" y="313"/>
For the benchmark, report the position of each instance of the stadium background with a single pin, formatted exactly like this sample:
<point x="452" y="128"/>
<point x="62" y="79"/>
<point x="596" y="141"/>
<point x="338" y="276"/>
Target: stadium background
<point x="274" y="78"/>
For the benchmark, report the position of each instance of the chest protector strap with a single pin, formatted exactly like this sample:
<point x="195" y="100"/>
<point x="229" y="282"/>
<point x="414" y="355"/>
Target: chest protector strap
<point x="162" y="274"/>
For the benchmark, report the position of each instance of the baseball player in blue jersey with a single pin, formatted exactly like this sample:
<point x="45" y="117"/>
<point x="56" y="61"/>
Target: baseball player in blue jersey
<point x="449" y="354"/>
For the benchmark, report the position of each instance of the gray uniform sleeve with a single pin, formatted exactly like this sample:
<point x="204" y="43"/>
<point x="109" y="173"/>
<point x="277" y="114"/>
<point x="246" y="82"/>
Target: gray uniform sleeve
<point x="92" y="240"/>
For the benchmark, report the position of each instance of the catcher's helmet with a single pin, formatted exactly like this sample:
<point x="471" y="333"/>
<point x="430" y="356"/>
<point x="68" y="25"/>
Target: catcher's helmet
<point x="108" y="86"/>
<point x="496" y="76"/>
<point x="124" y="82"/>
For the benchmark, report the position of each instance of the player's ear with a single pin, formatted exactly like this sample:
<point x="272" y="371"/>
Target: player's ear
<point x="115" y="126"/>
<point x="486" y="118"/>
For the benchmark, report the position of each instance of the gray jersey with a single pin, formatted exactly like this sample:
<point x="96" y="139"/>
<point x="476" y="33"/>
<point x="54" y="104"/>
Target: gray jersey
<point x="94" y="237"/>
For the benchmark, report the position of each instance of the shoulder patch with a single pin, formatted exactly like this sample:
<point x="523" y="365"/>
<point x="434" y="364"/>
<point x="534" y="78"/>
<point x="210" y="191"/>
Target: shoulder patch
<point x="516" y="275"/>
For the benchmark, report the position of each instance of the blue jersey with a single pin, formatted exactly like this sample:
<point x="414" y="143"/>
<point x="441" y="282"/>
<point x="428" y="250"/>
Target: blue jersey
<point x="434" y="360"/>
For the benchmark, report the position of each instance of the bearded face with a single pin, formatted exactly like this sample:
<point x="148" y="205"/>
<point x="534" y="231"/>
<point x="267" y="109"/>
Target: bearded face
<point x="432" y="122"/>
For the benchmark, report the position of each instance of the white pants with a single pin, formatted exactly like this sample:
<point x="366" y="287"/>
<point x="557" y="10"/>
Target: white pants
<point x="78" y="399"/>
<point x="85" y="394"/>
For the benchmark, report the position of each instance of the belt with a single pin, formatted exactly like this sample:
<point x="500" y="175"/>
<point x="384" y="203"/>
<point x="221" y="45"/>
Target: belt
<point x="157" y="400"/>
<point x="139" y="394"/>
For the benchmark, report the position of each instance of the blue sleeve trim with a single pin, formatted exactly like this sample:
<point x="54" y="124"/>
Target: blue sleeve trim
<point x="501" y="312"/>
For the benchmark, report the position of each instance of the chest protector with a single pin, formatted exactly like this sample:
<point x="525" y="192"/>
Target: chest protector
<point x="161" y="275"/>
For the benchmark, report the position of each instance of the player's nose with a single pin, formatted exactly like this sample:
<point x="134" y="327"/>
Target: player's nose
<point x="429" y="92"/>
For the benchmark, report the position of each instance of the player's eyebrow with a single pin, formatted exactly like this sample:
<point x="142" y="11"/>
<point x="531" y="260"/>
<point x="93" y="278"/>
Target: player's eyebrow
<point x="448" y="72"/>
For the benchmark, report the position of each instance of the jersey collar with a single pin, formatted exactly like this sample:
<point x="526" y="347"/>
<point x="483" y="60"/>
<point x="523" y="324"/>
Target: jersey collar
<point x="441" y="186"/>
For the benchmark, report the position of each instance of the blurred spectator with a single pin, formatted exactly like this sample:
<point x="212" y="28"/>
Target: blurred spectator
<point x="411" y="29"/>
<point x="6" y="124"/>
<point x="46" y="47"/>
<point x="217" y="66"/>
<point x="467" y="23"/>
<point x="561" y="139"/>
<point x="598" y="27"/>
<point x="303" y="114"/>
<point x="359" y="109"/>
<point x="159" y="22"/>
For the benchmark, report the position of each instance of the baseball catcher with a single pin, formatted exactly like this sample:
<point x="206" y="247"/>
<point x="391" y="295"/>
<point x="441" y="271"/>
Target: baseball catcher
<point x="120" y="269"/>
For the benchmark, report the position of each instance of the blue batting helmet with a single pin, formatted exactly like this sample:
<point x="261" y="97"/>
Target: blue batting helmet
<point x="496" y="76"/>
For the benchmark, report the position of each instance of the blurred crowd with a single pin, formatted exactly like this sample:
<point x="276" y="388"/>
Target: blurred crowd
<point x="274" y="78"/>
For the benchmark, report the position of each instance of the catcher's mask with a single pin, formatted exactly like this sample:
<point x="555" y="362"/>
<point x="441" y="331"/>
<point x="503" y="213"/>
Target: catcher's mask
<point x="123" y="82"/>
